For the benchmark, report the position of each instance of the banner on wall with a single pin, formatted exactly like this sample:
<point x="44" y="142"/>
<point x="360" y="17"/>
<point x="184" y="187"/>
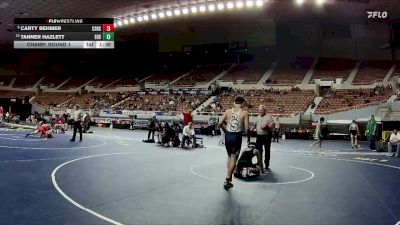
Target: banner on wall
<point x="137" y="123"/>
<point x="57" y="111"/>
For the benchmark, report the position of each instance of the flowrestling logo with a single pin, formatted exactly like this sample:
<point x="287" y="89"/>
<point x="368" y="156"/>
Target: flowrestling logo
<point x="377" y="14"/>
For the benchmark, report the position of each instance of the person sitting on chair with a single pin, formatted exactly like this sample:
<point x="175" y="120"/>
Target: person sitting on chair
<point x="188" y="133"/>
<point x="394" y="141"/>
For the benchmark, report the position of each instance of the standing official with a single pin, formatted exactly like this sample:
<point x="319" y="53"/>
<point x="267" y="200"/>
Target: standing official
<point x="77" y="117"/>
<point x="264" y="126"/>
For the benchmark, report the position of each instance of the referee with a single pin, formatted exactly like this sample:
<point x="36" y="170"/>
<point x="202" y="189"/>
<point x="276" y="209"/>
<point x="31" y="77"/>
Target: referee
<point x="77" y="116"/>
<point x="264" y="126"/>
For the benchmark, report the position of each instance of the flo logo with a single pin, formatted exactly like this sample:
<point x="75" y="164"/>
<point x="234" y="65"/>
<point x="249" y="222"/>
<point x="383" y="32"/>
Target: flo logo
<point x="377" y="14"/>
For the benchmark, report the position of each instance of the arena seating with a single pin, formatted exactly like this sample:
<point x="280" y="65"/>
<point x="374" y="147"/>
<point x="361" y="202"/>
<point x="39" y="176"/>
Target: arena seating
<point x="282" y="103"/>
<point x="372" y="71"/>
<point x="163" y="102"/>
<point x="53" y="81"/>
<point x="51" y="99"/>
<point x="290" y="73"/>
<point x="100" y="82"/>
<point x="5" y="80"/>
<point x="75" y="82"/>
<point x="330" y="69"/>
<point x="250" y="72"/>
<point x="201" y="75"/>
<point x="96" y="100"/>
<point x="25" y="81"/>
<point x="343" y="100"/>
<point x="16" y="94"/>
<point x="124" y="82"/>
<point x="396" y="71"/>
<point x="163" y="78"/>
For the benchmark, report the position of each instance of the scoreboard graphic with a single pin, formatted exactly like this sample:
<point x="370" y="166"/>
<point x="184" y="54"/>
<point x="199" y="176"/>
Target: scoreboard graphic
<point x="48" y="33"/>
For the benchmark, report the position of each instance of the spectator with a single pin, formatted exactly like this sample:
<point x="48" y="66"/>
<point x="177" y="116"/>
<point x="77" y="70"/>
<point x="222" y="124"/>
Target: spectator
<point x="188" y="133"/>
<point x="1" y="113"/>
<point x="211" y="126"/>
<point x="371" y="132"/>
<point x="394" y="141"/>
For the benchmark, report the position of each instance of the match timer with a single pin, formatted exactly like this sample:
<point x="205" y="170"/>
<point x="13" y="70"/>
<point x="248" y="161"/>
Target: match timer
<point x="62" y="33"/>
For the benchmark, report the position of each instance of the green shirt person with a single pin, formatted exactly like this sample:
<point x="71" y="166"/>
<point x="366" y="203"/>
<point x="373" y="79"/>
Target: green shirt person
<point x="370" y="132"/>
<point x="371" y="126"/>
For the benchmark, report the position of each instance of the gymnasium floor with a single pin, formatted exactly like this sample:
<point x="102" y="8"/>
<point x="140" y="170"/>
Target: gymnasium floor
<point x="114" y="178"/>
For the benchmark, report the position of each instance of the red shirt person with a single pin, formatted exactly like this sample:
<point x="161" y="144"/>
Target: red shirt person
<point x="187" y="117"/>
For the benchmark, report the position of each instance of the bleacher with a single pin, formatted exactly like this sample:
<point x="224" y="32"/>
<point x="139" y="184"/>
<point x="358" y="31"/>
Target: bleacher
<point x="331" y="69"/>
<point x="25" y="81"/>
<point x="282" y="103"/>
<point x="75" y="82"/>
<point x="250" y="72"/>
<point x="371" y="72"/>
<point x="51" y="99"/>
<point x="96" y="100"/>
<point x="290" y="73"/>
<point x="53" y="81"/>
<point x="124" y="82"/>
<point x="202" y="75"/>
<point x="396" y="71"/>
<point x="162" y="78"/>
<point x="344" y="100"/>
<point x="5" y="80"/>
<point x="101" y="82"/>
<point x="162" y="102"/>
<point x="16" y="94"/>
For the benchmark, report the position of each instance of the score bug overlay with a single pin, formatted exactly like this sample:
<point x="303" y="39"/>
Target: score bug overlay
<point x="59" y="33"/>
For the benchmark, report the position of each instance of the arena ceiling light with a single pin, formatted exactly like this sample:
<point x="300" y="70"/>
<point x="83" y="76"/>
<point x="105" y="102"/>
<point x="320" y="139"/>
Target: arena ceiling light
<point x="202" y="8"/>
<point x="177" y="12"/>
<point x="193" y="9"/>
<point x="299" y="2"/>
<point x="220" y="6"/>
<point x="211" y="7"/>
<point x="239" y="4"/>
<point x="249" y="3"/>
<point x="229" y="5"/>
<point x="320" y="2"/>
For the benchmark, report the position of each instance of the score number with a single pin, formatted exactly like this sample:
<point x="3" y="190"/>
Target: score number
<point x="108" y="27"/>
<point x="108" y="32"/>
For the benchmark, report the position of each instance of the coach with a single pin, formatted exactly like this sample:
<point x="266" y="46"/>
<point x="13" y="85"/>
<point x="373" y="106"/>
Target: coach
<point x="264" y="126"/>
